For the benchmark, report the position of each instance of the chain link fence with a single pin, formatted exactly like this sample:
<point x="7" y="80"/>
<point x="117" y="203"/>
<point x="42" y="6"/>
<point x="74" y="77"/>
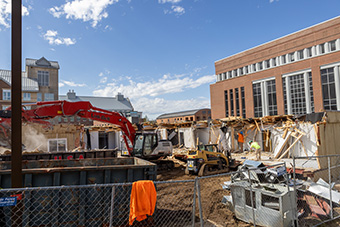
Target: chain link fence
<point x="317" y="195"/>
<point x="255" y="195"/>
<point x="95" y="205"/>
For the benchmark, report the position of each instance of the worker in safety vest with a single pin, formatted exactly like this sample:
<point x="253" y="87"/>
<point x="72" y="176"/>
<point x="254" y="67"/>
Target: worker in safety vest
<point x="255" y="146"/>
<point x="240" y="140"/>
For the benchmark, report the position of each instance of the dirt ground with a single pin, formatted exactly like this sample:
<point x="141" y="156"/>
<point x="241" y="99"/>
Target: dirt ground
<point x="216" y="213"/>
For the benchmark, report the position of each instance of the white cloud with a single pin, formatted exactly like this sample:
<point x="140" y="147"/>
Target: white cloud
<point x="103" y="80"/>
<point x="61" y="84"/>
<point x="143" y="95"/>
<point x="71" y="84"/>
<point x="169" y="1"/>
<point x="164" y="85"/>
<point x="86" y="10"/>
<point x="53" y="39"/>
<point x="157" y="106"/>
<point x="178" y="10"/>
<point x="5" y="12"/>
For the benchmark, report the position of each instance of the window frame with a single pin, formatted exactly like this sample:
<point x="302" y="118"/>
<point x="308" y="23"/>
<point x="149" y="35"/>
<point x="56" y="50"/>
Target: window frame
<point x="26" y="96"/>
<point x="43" y="78"/>
<point x="57" y="146"/>
<point x="5" y="95"/>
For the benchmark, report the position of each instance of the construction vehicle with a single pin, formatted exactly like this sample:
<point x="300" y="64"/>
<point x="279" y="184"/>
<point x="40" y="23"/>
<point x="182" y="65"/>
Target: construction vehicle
<point x="207" y="160"/>
<point x="142" y="145"/>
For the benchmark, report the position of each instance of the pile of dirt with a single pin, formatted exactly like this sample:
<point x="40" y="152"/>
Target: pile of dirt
<point x="173" y="197"/>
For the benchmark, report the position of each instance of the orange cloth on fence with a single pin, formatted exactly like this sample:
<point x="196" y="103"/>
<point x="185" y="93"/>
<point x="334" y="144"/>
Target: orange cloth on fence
<point x="142" y="200"/>
<point x="240" y="138"/>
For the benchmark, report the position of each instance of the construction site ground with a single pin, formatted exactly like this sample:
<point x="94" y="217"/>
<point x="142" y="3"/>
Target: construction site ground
<point x="215" y="213"/>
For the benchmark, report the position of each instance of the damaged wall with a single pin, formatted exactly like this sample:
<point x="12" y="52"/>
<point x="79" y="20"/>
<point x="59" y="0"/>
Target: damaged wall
<point x="330" y="141"/>
<point x="36" y="137"/>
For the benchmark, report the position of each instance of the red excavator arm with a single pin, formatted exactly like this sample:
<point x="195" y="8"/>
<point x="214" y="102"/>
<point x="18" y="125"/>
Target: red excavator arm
<point x="48" y="110"/>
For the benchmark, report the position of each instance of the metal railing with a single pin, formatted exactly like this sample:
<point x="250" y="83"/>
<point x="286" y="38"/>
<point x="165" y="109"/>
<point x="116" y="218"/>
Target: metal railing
<point x="265" y="196"/>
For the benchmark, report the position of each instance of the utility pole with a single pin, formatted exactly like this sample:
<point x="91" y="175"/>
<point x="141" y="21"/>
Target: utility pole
<point x="16" y="131"/>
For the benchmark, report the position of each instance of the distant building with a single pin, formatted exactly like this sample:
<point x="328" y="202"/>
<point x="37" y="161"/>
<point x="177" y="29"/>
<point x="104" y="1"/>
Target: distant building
<point x="189" y="115"/>
<point x="295" y="74"/>
<point x="39" y="82"/>
<point x="118" y="104"/>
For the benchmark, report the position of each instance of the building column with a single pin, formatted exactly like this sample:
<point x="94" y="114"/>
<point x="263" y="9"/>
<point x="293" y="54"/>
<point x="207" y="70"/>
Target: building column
<point x="337" y="44"/>
<point x="337" y="86"/>
<point x="317" y="49"/>
<point x="307" y="93"/>
<point x="327" y="49"/>
<point x="296" y="56"/>
<point x="289" y="103"/>
<point x="314" y="51"/>
<point x="264" y="98"/>
<point x="305" y="53"/>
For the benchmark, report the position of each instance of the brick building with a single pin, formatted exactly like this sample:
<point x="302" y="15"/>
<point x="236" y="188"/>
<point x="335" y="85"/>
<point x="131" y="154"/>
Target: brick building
<point x="189" y="115"/>
<point x="294" y="74"/>
<point x="39" y="82"/>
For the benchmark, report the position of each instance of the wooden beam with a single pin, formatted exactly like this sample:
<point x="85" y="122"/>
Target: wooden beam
<point x="303" y="146"/>
<point x="283" y="145"/>
<point x="316" y="135"/>
<point x="286" y="151"/>
<point x="257" y="126"/>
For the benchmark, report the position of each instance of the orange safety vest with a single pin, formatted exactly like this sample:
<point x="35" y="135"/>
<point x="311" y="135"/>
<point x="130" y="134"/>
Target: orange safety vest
<point x="240" y="138"/>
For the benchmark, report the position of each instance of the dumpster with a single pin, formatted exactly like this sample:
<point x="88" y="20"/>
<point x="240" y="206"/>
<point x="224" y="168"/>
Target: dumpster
<point x="71" y="205"/>
<point x="42" y="173"/>
<point x="101" y="153"/>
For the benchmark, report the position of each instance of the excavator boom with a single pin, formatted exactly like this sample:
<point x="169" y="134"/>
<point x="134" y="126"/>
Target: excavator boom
<point x="51" y="109"/>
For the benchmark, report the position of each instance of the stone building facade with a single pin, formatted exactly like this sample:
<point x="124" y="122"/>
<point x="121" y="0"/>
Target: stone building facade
<point x="39" y="83"/>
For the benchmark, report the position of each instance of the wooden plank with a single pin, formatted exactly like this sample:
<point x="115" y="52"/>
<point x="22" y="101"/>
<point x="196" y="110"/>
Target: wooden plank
<point x="232" y="138"/>
<point x="286" y="151"/>
<point x="285" y="133"/>
<point x="303" y="146"/>
<point x="257" y="126"/>
<point x="283" y="145"/>
<point x="316" y="134"/>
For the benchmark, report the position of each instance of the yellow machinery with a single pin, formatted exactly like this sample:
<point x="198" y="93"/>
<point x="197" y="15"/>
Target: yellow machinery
<point x="206" y="160"/>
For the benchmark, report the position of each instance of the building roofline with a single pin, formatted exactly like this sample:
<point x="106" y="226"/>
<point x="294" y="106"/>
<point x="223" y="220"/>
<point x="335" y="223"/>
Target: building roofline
<point x="323" y="22"/>
<point x="180" y="112"/>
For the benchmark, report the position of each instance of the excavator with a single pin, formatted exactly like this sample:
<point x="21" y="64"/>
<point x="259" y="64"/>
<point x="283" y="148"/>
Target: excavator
<point x="142" y="145"/>
<point x="207" y="160"/>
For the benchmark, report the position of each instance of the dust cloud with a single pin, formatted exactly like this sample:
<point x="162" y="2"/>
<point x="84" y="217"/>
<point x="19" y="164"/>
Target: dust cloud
<point x="34" y="140"/>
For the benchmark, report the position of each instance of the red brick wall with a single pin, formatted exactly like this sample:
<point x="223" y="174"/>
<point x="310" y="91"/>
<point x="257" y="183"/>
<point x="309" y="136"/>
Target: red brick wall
<point x="309" y="37"/>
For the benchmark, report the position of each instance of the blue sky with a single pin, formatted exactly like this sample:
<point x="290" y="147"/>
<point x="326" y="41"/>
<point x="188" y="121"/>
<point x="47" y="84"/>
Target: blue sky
<point x="159" y="53"/>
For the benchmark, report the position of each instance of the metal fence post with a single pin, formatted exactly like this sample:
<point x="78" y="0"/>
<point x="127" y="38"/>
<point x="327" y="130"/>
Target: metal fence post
<point x="330" y="186"/>
<point x="295" y="194"/>
<point x="194" y="204"/>
<point x="251" y="198"/>
<point x="112" y="205"/>
<point x="199" y="201"/>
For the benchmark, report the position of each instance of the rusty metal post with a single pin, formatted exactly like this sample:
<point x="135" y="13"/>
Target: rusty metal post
<point x="16" y="144"/>
<point x="16" y="174"/>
